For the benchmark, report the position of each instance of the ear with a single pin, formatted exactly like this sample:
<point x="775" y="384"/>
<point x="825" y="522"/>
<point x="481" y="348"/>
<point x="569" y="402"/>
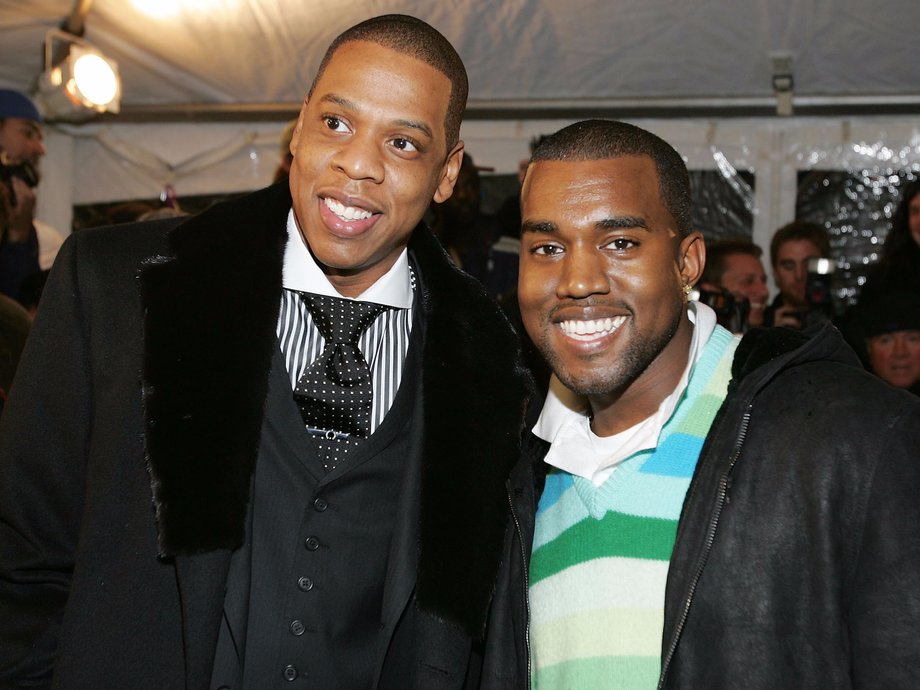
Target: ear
<point x="449" y="174"/>
<point x="298" y="128"/>
<point x="691" y="258"/>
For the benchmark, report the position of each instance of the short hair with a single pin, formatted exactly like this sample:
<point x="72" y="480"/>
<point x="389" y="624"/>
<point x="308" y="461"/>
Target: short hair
<point x="800" y="230"/>
<point x="717" y="255"/>
<point x="413" y="37"/>
<point x="592" y="140"/>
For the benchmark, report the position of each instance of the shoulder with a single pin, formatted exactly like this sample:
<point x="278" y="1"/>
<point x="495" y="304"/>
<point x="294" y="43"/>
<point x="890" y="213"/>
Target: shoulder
<point x="448" y="291"/>
<point x="120" y="243"/>
<point x="811" y="383"/>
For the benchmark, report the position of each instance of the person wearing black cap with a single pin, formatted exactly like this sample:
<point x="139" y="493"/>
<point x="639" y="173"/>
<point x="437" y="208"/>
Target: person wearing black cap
<point x="893" y="340"/>
<point x="27" y="246"/>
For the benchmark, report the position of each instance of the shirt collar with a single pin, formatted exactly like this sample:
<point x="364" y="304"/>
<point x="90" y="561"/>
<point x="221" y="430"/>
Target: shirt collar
<point x="565" y="424"/>
<point x="303" y="274"/>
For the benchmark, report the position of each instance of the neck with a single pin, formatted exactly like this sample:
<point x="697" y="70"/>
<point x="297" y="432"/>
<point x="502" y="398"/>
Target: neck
<point x="354" y="282"/>
<point x="618" y="411"/>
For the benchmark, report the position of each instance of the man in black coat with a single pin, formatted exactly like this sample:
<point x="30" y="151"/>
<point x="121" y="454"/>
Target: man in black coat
<point x="166" y="521"/>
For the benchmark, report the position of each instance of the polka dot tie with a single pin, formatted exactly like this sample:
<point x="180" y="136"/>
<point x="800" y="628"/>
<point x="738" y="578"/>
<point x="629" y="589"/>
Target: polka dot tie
<point x="335" y="393"/>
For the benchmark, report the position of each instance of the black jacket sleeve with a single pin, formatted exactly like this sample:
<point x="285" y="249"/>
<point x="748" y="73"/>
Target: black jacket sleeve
<point x="43" y="437"/>
<point x="884" y="614"/>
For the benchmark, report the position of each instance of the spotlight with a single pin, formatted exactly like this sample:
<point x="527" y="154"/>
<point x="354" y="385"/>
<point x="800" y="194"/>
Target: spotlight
<point x="78" y="81"/>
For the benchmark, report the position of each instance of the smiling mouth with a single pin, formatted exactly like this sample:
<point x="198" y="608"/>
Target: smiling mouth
<point x="346" y="213"/>
<point x="591" y="329"/>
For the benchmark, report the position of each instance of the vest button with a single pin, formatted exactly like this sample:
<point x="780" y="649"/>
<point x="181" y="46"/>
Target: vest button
<point x="297" y="628"/>
<point x="305" y="584"/>
<point x="312" y="543"/>
<point x="319" y="505"/>
<point x="290" y="673"/>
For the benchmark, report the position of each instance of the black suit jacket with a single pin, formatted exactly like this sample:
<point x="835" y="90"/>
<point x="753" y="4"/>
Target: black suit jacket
<point x="132" y="431"/>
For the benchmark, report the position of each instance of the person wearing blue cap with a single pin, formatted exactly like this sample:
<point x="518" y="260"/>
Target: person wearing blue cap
<point x="27" y="246"/>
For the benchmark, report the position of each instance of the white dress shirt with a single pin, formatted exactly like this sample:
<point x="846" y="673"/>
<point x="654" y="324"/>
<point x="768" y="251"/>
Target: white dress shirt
<point x="384" y="344"/>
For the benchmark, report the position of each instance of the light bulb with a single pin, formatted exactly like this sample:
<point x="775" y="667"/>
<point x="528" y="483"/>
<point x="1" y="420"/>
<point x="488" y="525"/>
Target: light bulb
<point x="95" y="79"/>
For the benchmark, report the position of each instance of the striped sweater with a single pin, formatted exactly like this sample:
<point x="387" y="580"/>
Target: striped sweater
<point x="601" y="554"/>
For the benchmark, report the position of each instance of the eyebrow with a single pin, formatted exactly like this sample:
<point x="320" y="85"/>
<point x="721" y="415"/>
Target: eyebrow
<point x="351" y="105"/>
<point x="541" y="226"/>
<point x="622" y="222"/>
<point x="625" y="222"/>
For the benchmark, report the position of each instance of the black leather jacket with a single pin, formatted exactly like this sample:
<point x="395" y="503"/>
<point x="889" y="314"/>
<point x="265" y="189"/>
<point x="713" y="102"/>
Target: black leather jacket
<point x="797" y="560"/>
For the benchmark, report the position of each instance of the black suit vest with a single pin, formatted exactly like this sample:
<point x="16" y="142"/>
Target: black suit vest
<point x="305" y="598"/>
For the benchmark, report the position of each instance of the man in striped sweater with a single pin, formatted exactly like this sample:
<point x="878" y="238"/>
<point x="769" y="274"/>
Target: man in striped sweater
<point x="704" y="523"/>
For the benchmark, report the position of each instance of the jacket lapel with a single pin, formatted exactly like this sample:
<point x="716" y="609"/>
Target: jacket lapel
<point x="210" y="311"/>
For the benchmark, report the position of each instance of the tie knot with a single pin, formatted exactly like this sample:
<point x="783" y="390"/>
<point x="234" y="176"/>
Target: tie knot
<point x="339" y="320"/>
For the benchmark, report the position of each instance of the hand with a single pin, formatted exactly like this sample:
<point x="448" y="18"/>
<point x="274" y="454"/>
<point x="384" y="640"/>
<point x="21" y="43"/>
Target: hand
<point x="788" y="316"/>
<point x="19" y="223"/>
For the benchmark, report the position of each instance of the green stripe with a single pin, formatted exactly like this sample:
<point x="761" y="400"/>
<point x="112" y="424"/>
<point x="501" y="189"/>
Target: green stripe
<point x="605" y="673"/>
<point x="616" y="534"/>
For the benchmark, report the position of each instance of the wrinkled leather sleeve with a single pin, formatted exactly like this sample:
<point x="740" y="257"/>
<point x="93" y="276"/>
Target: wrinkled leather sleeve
<point x="885" y="608"/>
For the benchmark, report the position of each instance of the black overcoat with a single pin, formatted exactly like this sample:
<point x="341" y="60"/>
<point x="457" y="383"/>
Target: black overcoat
<point x="132" y="431"/>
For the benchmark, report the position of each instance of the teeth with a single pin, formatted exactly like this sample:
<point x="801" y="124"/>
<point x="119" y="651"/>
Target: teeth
<point x="597" y="327"/>
<point x="346" y="212"/>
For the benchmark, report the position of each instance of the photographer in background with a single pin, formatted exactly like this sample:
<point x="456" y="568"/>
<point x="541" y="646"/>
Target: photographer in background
<point x="26" y="245"/>
<point x="734" y="284"/>
<point x="792" y="248"/>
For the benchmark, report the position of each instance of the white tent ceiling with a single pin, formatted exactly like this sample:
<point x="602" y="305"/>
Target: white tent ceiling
<point x="208" y="88"/>
<point x="220" y="58"/>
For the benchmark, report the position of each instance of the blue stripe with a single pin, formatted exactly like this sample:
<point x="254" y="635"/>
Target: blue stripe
<point x="557" y="482"/>
<point x="675" y="457"/>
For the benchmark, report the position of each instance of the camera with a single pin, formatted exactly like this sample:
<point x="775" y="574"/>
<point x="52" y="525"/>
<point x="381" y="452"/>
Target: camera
<point x="818" y="285"/>
<point x="731" y="311"/>
<point x="818" y="292"/>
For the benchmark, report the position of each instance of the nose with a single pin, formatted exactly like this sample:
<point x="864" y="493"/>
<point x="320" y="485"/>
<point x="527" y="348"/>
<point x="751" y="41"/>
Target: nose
<point x="899" y="348"/>
<point x="359" y="158"/>
<point x="583" y="274"/>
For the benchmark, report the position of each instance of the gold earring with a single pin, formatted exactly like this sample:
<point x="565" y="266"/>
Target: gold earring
<point x="688" y="288"/>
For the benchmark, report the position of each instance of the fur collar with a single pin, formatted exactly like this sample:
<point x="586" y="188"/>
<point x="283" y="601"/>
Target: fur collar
<point x="210" y="312"/>
<point x="210" y="315"/>
<point x="476" y="389"/>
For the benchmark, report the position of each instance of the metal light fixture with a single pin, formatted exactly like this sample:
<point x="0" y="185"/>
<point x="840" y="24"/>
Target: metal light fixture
<point x="78" y="80"/>
<point x="783" y="82"/>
